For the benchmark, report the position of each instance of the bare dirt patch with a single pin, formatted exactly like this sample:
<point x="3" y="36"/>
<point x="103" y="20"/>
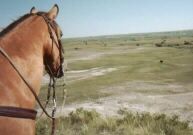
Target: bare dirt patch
<point x="170" y="104"/>
<point x="146" y="87"/>
<point x="85" y="55"/>
<point x="75" y="75"/>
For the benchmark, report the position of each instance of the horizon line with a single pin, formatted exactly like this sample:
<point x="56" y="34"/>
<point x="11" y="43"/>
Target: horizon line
<point x="132" y="33"/>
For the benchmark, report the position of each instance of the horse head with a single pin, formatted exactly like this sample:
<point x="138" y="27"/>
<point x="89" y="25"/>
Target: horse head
<point x="53" y="50"/>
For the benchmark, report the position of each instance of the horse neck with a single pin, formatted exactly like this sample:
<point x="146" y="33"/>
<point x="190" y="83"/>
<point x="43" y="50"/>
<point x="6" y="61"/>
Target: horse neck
<point x="24" y="44"/>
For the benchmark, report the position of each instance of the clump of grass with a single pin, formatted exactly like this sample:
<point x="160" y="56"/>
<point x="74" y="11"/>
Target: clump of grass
<point x="81" y="116"/>
<point x="158" y="45"/>
<point x="83" y="122"/>
<point x="187" y="43"/>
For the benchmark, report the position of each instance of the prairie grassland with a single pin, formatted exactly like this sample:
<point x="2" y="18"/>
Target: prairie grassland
<point x="138" y="63"/>
<point x="156" y="66"/>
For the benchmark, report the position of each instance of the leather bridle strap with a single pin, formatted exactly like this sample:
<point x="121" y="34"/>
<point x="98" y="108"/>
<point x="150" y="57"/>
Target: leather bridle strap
<point x="49" y="24"/>
<point x="27" y="113"/>
<point x="58" y="44"/>
<point x="17" y="112"/>
<point x="26" y="82"/>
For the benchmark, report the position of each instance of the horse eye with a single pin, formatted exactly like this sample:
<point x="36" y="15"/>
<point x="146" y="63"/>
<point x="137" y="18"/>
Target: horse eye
<point x="61" y="34"/>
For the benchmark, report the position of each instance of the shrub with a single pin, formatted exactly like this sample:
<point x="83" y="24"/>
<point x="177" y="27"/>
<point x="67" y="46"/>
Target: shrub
<point x="187" y="43"/>
<point x="158" y="45"/>
<point x="83" y="122"/>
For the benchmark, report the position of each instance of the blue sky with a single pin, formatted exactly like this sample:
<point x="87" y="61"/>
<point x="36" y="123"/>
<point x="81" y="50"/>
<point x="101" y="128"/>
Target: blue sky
<point x="105" y="17"/>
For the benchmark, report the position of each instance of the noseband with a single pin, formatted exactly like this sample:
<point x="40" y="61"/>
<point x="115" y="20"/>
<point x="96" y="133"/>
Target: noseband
<point x="24" y="113"/>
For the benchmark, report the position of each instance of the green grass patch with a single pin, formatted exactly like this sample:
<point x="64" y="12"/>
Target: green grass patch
<point x="139" y="66"/>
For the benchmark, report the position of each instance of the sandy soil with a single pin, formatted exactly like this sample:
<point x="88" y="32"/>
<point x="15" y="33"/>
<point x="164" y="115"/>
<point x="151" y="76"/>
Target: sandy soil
<point x="75" y="75"/>
<point x="81" y="55"/>
<point x="72" y="76"/>
<point x="179" y="104"/>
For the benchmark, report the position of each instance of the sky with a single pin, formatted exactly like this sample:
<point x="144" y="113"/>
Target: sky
<point x="80" y="18"/>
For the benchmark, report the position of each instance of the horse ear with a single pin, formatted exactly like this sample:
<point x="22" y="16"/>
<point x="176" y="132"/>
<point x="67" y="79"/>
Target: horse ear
<point x="33" y="10"/>
<point x="52" y="14"/>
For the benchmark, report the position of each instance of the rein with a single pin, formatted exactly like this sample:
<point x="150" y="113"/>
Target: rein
<point x="17" y="112"/>
<point x="26" y="82"/>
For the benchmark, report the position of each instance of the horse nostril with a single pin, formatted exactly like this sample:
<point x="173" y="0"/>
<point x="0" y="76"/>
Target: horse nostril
<point x="60" y="72"/>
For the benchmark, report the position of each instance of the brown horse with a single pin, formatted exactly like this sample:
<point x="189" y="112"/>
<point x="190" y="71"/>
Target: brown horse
<point x="31" y="43"/>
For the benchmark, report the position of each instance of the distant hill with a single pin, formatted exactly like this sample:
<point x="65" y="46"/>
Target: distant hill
<point x="182" y="33"/>
<point x="1" y="29"/>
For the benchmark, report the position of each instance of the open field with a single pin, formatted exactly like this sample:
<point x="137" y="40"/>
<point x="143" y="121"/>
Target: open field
<point x="140" y="73"/>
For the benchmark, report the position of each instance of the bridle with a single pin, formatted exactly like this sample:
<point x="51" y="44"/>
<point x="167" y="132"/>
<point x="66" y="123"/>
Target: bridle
<point x="16" y="112"/>
<point x="52" y="25"/>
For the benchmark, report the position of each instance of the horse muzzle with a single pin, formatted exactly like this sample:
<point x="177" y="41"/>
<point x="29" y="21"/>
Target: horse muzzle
<point x="60" y="72"/>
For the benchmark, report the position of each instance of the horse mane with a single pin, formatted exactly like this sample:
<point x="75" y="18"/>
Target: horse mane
<point x="15" y="23"/>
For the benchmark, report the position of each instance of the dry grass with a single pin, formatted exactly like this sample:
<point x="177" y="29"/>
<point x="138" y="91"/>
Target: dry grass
<point x="82" y="122"/>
